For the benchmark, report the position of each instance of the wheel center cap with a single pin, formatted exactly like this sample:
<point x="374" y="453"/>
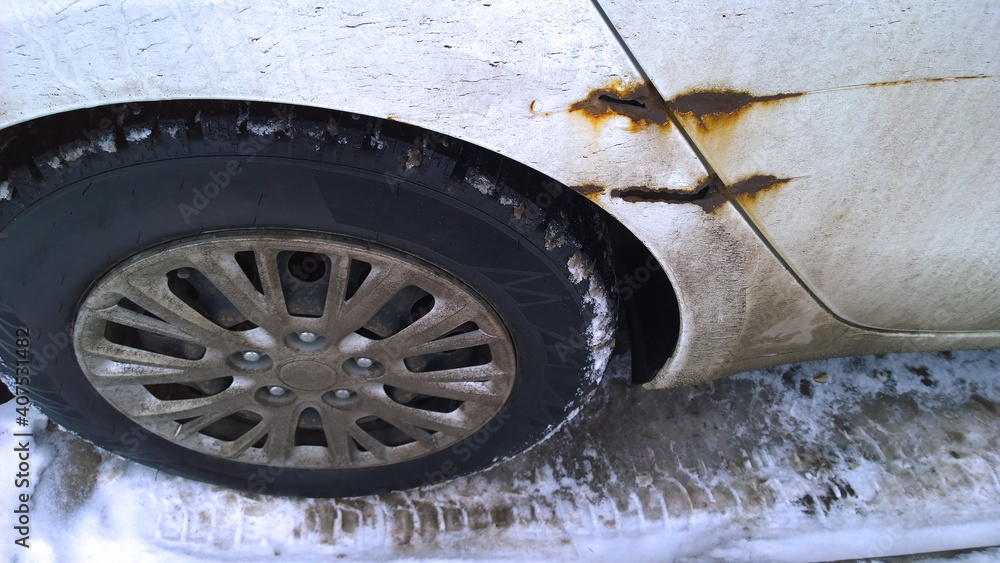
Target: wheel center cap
<point x="307" y="375"/>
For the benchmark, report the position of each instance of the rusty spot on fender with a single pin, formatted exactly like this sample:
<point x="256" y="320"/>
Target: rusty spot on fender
<point x="747" y="189"/>
<point x="924" y="80"/>
<point x="708" y="105"/>
<point x="588" y="190"/>
<point x="710" y="194"/>
<point x="638" y="103"/>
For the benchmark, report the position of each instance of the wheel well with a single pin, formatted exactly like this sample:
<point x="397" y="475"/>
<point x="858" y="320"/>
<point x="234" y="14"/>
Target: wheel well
<point x="649" y="316"/>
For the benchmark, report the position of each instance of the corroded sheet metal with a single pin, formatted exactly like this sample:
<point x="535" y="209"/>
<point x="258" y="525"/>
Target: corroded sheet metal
<point x="879" y="118"/>
<point x="500" y="74"/>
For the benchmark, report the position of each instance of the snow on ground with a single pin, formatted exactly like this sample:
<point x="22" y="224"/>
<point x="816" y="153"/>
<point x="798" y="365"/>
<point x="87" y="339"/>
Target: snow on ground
<point x="829" y="460"/>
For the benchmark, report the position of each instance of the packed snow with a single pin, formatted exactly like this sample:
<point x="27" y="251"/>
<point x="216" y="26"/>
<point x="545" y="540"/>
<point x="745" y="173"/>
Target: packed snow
<point x="479" y="181"/>
<point x="829" y="460"/>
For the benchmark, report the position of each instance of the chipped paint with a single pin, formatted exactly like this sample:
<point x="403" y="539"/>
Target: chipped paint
<point x="588" y="190"/>
<point x="747" y="189"/>
<point x="710" y="106"/>
<point x="902" y="83"/>
<point x="710" y="195"/>
<point x="639" y="103"/>
<point x="714" y="107"/>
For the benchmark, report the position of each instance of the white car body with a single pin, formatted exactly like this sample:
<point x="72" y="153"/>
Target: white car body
<point x="874" y="128"/>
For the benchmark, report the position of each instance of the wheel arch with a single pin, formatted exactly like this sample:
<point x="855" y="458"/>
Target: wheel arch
<point x="648" y="310"/>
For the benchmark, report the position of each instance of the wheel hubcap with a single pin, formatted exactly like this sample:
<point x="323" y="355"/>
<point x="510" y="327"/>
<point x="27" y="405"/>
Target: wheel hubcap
<point x="294" y="350"/>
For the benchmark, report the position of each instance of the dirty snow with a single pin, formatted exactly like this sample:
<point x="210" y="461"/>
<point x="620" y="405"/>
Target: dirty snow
<point x="263" y="128"/>
<point x="105" y="143"/>
<point x="601" y="332"/>
<point x="74" y="152"/>
<point x="555" y="237"/>
<point x="890" y="455"/>
<point x="376" y="140"/>
<point x="479" y="181"/>
<point x="173" y="130"/>
<point x="136" y="134"/>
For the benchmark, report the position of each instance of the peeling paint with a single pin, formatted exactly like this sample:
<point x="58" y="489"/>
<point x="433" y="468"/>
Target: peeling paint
<point x="707" y="105"/>
<point x="638" y="103"/>
<point x="707" y="195"/>
<point x="747" y="189"/>
<point x="588" y="189"/>
<point x="710" y="194"/>
<point x="637" y="194"/>
<point x="912" y="81"/>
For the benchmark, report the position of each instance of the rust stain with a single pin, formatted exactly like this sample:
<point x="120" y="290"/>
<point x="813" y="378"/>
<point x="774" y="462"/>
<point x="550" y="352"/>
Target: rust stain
<point x="923" y="81"/>
<point x="588" y="189"/>
<point x="711" y="194"/>
<point x="707" y="196"/>
<point x="638" y="103"/>
<point x="747" y="189"/>
<point x="710" y="106"/>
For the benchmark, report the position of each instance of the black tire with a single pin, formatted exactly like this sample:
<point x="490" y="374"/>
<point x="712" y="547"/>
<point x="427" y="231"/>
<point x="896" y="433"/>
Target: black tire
<point x="77" y="210"/>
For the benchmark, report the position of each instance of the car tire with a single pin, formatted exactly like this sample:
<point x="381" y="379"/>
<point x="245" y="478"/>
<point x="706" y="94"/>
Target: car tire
<point x="187" y="276"/>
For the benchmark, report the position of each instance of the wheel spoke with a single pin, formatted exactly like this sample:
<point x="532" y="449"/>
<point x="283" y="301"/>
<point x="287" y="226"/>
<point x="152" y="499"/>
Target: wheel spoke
<point x="243" y="443"/>
<point x="225" y="273"/>
<point x="155" y="297"/>
<point x="191" y="427"/>
<point x="340" y="269"/>
<point x="135" y="356"/>
<point x="456" y="342"/>
<point x="444" y="317"/>
<point x="338" y="440"/>
<point x="382" y="283"/>
<point x="368" y="442"/>
<point x="270" y="278"/>
<point x="154" y="410"/>
<point x="126" y="317"/>
<point x="281" y="433"/>
<point x="448" y="423"/>
<point x="455" y="375"/>
<point x="475" y="391"/>
<point x="423" y="437"/>
<point x="115" y="373"/>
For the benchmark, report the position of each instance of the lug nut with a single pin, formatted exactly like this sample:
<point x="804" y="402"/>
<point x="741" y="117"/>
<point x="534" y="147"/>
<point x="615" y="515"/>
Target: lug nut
<point x="364" y="362"/>
<point x="276" y="390"/>
<point x="342" y="394"/>
<point x="251" y="356"/>
<point x="307" y="336"/>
